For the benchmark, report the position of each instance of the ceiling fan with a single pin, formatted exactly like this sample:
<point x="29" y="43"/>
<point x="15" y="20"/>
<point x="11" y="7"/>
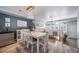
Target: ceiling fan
<point x="30" y="8"/>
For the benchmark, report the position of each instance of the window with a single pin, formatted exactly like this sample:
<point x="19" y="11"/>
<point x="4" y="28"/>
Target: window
<point x="21" y="23"/>
<point x="7" y="22"/>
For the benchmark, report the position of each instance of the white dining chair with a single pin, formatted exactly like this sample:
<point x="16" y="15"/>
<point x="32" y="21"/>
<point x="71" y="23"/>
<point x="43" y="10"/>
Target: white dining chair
<point x="19" y="36"/>
<point x="28" y="39"/>
<point x="44" y="42"/>
<point x="20" y="40"/>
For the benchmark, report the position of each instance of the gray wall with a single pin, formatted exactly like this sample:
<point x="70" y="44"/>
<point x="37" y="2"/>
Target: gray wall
<point x="14" y="19"/>
<point x="72" y="29"/>
<point x="78" y="31"/>
<point x="71" y="26"/>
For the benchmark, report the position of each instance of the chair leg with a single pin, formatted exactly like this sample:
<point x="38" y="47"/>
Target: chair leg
<point x="27" y="45"/>
<point x="32" y="48"/>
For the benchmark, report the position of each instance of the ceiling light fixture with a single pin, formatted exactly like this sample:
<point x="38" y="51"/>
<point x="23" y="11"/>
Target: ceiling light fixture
<point x="30" y="8"/>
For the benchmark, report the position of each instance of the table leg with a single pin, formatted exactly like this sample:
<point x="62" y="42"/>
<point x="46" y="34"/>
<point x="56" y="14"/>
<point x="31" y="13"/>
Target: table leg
<point x="44" y="46"/>
<point x="37" y="45"/>
<point x="45" y="43"/>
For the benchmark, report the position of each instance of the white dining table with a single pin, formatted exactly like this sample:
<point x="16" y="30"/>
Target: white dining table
<point x="38" y="35"/>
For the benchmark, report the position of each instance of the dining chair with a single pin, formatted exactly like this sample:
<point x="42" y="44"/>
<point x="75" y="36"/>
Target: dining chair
<point x="26" y="36"/>
<point x="20" y="40"/>
<point x="19" y="36"/>
<point x="44" y="42"/>
<point x="28" y="39"/>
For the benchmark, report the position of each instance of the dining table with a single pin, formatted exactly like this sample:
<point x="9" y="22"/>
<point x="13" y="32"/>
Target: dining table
<point x="38" y="35"/>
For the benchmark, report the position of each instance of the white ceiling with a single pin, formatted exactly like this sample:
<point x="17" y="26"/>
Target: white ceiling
<point x="16" y="10"/>
<point x="57" y="12"/>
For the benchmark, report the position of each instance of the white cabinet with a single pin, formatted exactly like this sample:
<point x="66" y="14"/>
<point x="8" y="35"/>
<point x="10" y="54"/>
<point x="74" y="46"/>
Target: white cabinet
<point x="52" y="27"/>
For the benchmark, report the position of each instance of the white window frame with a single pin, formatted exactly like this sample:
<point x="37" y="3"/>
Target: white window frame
<point x="7" y="22"/>
<point x="21" y="23"/>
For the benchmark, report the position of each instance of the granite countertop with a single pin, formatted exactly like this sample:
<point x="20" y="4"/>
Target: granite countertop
<point x="3" y="32"/>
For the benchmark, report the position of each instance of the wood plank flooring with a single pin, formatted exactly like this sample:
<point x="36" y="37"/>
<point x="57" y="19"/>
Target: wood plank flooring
<point x="59" y="47"/>
<point x="6" y="42"/>
<point x="53" y="47"/>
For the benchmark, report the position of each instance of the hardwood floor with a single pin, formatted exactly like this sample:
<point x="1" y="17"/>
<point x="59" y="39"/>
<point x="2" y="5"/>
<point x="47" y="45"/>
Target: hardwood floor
<point x="6" y="42"/>
<point x="53" y="47"/>
<point x="59" y="47"/>
<point x="9" y="49"/>
<point x="72" y="42"/>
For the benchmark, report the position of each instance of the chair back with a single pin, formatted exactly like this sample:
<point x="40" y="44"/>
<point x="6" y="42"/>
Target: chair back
<point x="19" y="35"/>
<point x="27" y="35"/>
